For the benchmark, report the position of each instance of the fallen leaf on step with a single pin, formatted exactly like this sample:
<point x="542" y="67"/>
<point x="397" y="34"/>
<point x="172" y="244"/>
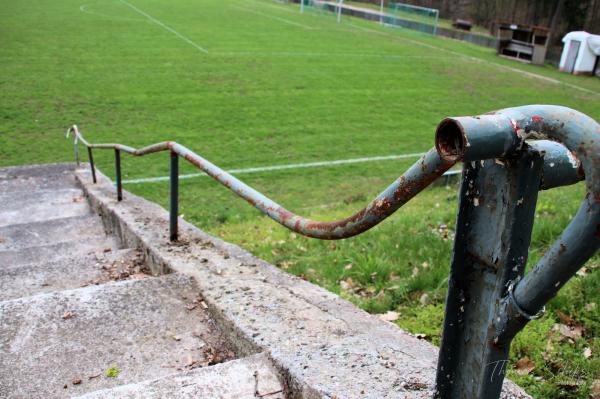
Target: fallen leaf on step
<point x="347" y="284"/>
<point x="570" y="385"/>
<point x="107" y="250"/>
<point x="590" y="306"/>
<point x="565" y="318"/>
<point x="568" y="333"/>
<point x="524" y="366"/>
<point x="68" y="315"/>
<point x="94" y="376"/>
<point x="389" y="316"/>
<point x="76" y="381"/>
<point x="595" y="390"/>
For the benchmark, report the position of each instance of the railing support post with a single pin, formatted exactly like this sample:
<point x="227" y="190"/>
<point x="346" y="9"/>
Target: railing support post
<point x="91" y="160"/>
<point x="493" y="233"/>
<point x="174" y="204"/>
<point x="118" y="175"/>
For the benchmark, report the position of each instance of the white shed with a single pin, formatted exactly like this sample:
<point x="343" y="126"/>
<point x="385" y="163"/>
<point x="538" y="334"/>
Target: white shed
<point x="580" y="54"/>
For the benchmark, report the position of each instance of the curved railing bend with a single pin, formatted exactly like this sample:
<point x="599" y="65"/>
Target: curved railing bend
<point x="413" y="181"/>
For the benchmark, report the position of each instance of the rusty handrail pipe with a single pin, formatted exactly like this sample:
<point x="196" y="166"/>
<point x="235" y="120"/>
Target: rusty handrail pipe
<point x="414" y="180"/>
<point x="501" y="133"/>
<point x="490" y="297"/>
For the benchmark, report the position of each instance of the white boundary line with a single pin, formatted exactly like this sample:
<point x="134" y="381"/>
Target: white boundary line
<point x="463" y="56"/>
<point x="286" y="21"/>
<point x="173" y="31"/>
<point x="480" y="60"/>
<point x="333" y="54"/>
<point x="83" y="8"/>
<point x="282" y="167"/>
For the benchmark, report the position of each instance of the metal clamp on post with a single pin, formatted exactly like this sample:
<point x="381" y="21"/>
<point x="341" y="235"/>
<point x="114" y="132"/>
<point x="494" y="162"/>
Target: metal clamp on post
<point x="503" y="172"/>
<point x="522" y="312"/>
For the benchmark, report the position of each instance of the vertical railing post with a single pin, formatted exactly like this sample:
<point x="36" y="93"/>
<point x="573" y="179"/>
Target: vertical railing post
<point x="174" y="189"/>
<point x="118" y="174"/>
<point x="91" y="160"/>
<point x="493" y="233"/>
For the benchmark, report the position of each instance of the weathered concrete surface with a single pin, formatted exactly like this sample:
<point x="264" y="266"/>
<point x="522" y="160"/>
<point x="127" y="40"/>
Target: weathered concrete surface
<point x="146" y="328"/>
<point x="324" y="346"/>
<point x="50" y="232"/>
<point x="246" y="378"/>
<point x="44" y="205"/>
<point x="60" y="250"/>
<point x="38" y="178"/>
<point x="67" y="273"/>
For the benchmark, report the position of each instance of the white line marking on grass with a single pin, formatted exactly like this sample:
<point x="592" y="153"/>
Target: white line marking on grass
<point x="173" y="31"/>
<point x="285" y="21"/>
<point x="280" y="8"/>
<point x="282" y="167"/>
<point x="464" y="56"/>
<point x="317" y="54"/>
<point x="476" y="59"/>
<point x="84" y="9"/>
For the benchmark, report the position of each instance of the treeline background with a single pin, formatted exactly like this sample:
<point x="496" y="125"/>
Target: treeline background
<point x="560" y="16"/>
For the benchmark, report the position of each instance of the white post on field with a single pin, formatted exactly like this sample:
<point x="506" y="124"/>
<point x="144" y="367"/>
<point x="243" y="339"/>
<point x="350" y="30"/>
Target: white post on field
<point x="381" y="12"/>
<point x="301" y="6"/>
<point x="339" y="13"/>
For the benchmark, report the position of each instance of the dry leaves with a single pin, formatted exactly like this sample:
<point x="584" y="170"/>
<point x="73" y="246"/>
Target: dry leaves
<point x="68" y="315"/>
<point x="590" y="306"/>
<point x="595" y="390"/>
<point x="389" y="316"/>
<point x="567" y="333"/>
<point x="524" y="366"/>
<point x="347" y="284"/>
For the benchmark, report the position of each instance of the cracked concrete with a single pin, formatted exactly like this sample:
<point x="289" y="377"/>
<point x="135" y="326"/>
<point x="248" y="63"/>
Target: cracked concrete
<point x="322" y="345"/>
<point x="74" y="307"/>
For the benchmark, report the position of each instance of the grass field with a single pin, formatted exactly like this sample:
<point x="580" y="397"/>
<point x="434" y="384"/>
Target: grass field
<point x="254" y="83"/>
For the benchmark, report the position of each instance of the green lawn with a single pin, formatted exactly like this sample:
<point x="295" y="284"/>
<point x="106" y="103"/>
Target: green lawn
<point x="277" y="87"/>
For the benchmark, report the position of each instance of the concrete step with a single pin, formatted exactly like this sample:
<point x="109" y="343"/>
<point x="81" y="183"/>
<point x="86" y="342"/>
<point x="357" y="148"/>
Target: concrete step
<point x="52" y="252"/>
<point x="39" y="170"/>
<point x="19" y="208"/>
<point x="63" y="344"/>
<point x="248" y="378"/>
<point x="68" y="273"/>
<point x="36" y="178"/>
<point x="50" y="232"/>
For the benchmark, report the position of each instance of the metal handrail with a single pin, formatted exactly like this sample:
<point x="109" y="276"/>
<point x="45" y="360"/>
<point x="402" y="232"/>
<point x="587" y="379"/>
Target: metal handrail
<point x="490" y="298"/>
<point x="414" y="180"/>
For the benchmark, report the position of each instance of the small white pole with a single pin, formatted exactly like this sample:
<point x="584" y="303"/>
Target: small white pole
<point x="339" y="16"/>
<point x="381" y="12"/>
<point x="301" y="6"/>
